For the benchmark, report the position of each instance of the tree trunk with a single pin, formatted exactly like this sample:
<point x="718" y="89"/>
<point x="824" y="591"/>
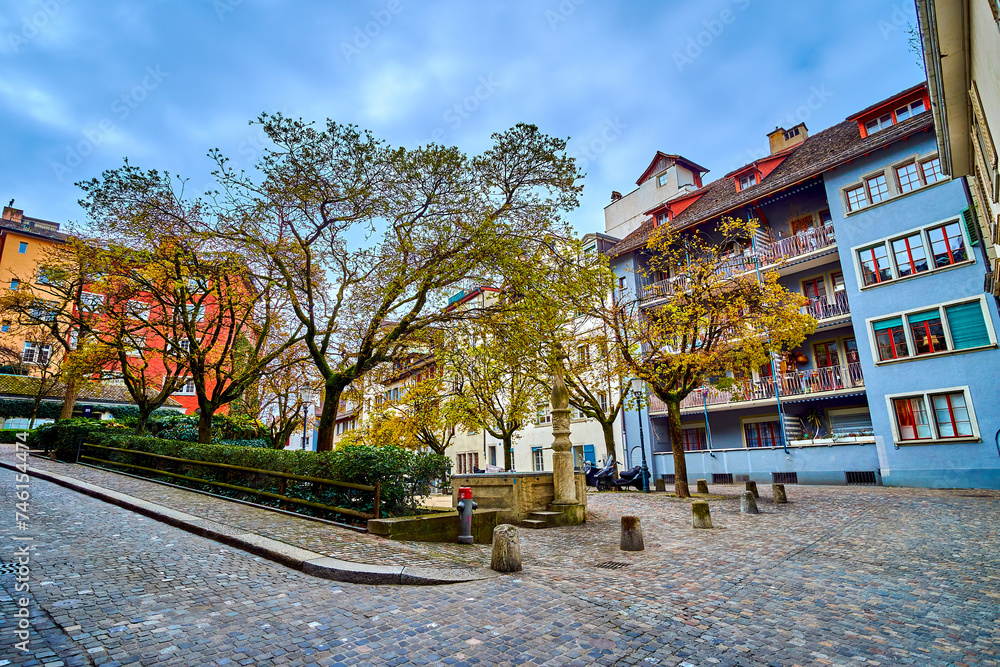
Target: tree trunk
<point x="508" y="455"/>
<point x="328" y="419"/>
<point x="676" y="440"/>
<point x="205" y="426"/>
<point x="140" y="427"/>
<point x="69" y="401"/>
<point x="609" y="440"/>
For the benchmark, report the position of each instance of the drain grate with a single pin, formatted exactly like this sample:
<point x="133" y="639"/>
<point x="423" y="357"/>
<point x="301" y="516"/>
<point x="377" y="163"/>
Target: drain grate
<point x="9" y="568"/>
<point x="612" y="565"/>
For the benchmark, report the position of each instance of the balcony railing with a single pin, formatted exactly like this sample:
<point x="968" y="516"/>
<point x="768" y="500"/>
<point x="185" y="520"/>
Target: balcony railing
<point x="795" y="383"/>
<point x="768" y="251"/>
<point x="821" y="309"/>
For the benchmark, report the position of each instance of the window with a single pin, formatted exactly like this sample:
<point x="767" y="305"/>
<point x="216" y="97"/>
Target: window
<point x="908" y="177"/>
<point x="23" y="422"/>
<point x="43" y="311"/>
<point x="877" y="188"/>
<point x="5" y="327"/>
<point x="602" y="399"/>
<point x="947" y="244"/>
<point x="909" y="255"/>
<point x="747" y="181"/>
<point x="583" y="355"/>
<point x="927" y="331"/>
<point x="889" y="339"/>
<point x="837" y="278"/>
<point x="184" y="344"/>
<point x="14" y="284"/>
<point x="662" y="219"/>
<point x="664" y="177"/>
<point x="814" y="289"/>
<point x="35" y="353"/>
<point x="874" y="265"/>
<point x="542" y="414"/>
<point x="187" y="389"/>
<point x="942" y="415"/>
<point x="912" y="109"/>
<point x="694" y="438"/>
<point x="493" y="455"/>
<point x="763" y="434"/>
<point x="939" y="329"/>
<point x="91" y="303"/>
<point x="932" y="171"/>
<point x="826" y="354"/>
<point x="879" y="123"/>
<point x="856" y="198"/>
<point x="537" y="461"/>
<point x="621" y="282"/>
<point x="22" y="247"/>
<point x="139" y="309"/>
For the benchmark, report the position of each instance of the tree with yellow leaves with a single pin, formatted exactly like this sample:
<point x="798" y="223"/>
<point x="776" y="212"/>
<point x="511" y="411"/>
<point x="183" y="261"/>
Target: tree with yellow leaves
<point x="715" y="325"/>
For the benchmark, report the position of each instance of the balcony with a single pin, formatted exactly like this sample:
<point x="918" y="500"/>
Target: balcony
<point x="821" y="309"/>
<point x="769" y="251"/>
<point x="823" y="380"/>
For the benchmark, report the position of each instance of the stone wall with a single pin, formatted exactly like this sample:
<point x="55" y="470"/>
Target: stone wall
<point x="513" y="495"/>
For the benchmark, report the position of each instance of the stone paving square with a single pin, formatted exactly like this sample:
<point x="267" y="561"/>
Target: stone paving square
<point x="839" y="576"/>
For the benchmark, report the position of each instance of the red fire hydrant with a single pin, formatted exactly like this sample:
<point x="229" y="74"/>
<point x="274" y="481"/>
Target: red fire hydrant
<point x="465" y="507"/>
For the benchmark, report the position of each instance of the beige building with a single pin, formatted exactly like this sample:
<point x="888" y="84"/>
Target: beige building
<point x="961" y="43"/>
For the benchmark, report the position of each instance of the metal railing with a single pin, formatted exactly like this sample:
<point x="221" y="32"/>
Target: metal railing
<point x="795" y="383"/>
<point x="821" y="309"/>
<point x="282" y="477"/>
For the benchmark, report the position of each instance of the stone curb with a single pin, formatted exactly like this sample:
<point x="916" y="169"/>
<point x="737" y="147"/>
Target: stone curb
<point x="309" y="562"/>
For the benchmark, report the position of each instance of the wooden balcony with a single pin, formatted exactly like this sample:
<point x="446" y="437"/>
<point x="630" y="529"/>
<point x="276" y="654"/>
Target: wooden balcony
<point x="823" y="380"/>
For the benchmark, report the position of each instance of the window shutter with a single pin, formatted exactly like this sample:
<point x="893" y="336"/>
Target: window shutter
<point x="971" y="226"/>
<point x="851" y="423"/>
<point x="888" y="324"/>
<point x="968" y="328"/>
<point x="916" y="318"/>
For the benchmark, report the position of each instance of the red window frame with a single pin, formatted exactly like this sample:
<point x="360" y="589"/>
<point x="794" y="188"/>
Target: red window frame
<point x="923" y="331"/>
<point x="771" y="429"/>
<point x="811" y="288"/>
<point x="951" y="416"/>
<point x="896" y="336"/>
<point x="855" y="203"/>
<point x="908" y="251"/>
<point x="935" y="170"/>
<point x="882" y="191"/>
<point x="825" y="352"/>
<point x="905" y="417"/>
<point x="695" y="438"/>
<point x="944" y="230"/>
<point x="876" y="271"/>
<point x="913" y="179"/>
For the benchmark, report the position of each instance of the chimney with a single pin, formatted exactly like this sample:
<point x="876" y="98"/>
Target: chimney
<point x="781" y="138"/>
<point x="615" y="196"/>
<point x="12" y="214"/>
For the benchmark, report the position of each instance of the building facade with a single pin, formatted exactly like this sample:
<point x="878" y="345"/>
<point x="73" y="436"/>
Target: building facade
<point x="897" y="385"/>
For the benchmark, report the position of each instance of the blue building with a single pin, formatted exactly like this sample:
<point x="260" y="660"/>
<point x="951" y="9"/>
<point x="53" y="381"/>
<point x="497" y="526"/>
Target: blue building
<point x="899" y="383"/>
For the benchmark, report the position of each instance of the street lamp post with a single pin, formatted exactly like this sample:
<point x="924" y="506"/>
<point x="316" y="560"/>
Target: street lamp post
<point x="708" y="429"/>
<point x="306" y="396"/>
<point x="637" y="391"/>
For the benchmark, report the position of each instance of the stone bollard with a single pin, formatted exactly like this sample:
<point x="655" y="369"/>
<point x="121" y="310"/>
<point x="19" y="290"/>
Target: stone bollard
<point x="632" y="534"/>
<point x="506" y="549"/>
<point x="752" y="487"/>
<point x="702" y="486"/>
<point x="700" y="515"/>
<point x="748" y="504"/>
<point x="660" y="485"/>
<point x="779" y="493"/>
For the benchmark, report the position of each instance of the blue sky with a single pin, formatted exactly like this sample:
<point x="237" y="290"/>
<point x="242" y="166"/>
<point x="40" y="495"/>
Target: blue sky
<point x="85" y="84"/>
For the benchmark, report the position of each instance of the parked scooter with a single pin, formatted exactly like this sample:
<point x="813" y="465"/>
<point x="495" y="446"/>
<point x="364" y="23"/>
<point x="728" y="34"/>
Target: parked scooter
<point x="631" y="477"/>
<point x="601" y="479"/>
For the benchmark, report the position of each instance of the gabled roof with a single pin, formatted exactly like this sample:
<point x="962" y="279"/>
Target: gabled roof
<point x="25" y="386"/>
<point x="820" y="152"/>
<point x="676" y="158"/>
<point x="888" y="101"/>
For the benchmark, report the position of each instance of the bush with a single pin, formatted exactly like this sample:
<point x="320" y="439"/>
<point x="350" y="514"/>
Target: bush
<point x="404" y="475"/>
<point x="8" y="436"/>
<point x="63" y="437"/>
<point x="16" y="407"/>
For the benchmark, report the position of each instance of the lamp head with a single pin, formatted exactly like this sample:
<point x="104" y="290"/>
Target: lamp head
<point x="636" y="385"/>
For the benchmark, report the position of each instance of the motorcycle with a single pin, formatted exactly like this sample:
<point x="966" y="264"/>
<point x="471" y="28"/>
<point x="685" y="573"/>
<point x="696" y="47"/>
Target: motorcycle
<point x="601" y="479"/>
<point x="631" y="477"/>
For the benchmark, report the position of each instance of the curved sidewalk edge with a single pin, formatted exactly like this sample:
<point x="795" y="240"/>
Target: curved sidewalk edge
<point x="309" y="562"/>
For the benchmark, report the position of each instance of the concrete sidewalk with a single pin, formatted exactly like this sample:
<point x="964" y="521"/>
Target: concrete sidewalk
<point x="314" y="547"/>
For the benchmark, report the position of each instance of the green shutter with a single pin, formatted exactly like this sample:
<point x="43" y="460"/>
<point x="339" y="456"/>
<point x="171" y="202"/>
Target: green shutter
<point x="888" y="324"/>
<point x="971" y="226"/>
<point x="968" y="329"/>
<point x="916" y="318"/>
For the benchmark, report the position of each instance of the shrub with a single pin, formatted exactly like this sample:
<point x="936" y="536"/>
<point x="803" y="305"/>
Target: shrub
<point x="63" y="437"/>
<point x="9" y="435"/>
<point x="404" y="475"/>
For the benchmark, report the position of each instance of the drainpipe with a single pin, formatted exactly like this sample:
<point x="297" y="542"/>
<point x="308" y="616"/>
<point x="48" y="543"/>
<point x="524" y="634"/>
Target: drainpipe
<point x="774" y="371"/>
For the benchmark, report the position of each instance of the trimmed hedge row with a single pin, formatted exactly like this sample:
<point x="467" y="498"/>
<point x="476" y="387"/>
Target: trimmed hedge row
<point x="404" y="475"/>
<point x="8" y="436"/>
<point x="19" y="407"/>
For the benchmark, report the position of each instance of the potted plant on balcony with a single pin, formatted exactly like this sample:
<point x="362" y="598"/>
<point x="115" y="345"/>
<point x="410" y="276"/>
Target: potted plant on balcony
<point x="814" y="417"/>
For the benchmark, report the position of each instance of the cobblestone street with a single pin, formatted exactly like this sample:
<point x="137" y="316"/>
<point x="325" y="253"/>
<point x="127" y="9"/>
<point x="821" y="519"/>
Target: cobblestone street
<point x="842" y="576"/>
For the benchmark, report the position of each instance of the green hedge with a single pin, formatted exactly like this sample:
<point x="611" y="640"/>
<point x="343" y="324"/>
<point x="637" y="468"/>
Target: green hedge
<point x="16" y="407"/>
<point x="9" y="435"/>
<point x="404" y="475"/>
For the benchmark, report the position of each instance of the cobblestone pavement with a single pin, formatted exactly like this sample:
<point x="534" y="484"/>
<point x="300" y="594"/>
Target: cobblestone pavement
<point x="839" y="576"/>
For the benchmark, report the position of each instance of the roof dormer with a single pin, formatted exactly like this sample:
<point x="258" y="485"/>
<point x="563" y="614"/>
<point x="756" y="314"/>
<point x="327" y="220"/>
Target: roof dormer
<point x="907" y="104"/>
